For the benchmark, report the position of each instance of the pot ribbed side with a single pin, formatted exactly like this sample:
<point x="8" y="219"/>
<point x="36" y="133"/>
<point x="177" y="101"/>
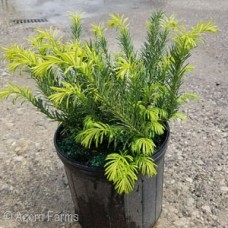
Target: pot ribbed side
<point x="99" y="206"/>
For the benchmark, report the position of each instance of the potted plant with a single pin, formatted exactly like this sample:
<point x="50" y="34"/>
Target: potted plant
<point x="113" y="111"/>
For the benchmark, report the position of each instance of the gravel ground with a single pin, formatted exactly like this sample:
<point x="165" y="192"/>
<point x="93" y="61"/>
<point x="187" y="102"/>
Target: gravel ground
<point x="33" y="181"/>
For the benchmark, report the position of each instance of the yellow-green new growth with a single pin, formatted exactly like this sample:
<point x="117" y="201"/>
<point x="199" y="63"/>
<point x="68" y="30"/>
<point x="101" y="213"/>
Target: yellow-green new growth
<point x="121" y="101"/>
<point x="76" y="27"/>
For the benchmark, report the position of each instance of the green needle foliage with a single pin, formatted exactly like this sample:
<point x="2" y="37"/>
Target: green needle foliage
<point x="122" y="100"/>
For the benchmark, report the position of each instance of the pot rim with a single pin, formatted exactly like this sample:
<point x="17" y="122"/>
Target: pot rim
<point x="66" y="160"/>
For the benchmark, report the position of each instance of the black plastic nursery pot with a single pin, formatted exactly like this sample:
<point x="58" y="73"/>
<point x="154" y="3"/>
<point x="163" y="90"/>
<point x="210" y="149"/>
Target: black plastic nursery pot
<point x="99" y="206"/>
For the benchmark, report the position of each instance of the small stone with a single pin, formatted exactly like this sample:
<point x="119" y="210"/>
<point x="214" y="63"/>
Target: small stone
<point x="200" y="162"/>
<point x="224" y="189"/>
<point x="65" y="181"/>
<point x="223" y="182"/>
<point x="59" y="165"/>
<point x="212" y="143"/>
<point x="9" y="124"/>
<point x="214" y="217"/>
<point x="17" y="149"/>
<point x="37" y="145"/>
<point x="5" y="73"/>
<point x="18" y="158"/>
<point x="219" y="168"/>
<point x="190" y="202"/>
<point x="195" y="213"/>
<point x="173" y="209"/>
<point x="21" y="149"/>
<point x="10" y="141"/>
<point x="182" y="222"/>
<point x="20" y="111"/>
<point x="206" y="209"/>
<point x="4" y="187"/>
<point x="190" y="180"/>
